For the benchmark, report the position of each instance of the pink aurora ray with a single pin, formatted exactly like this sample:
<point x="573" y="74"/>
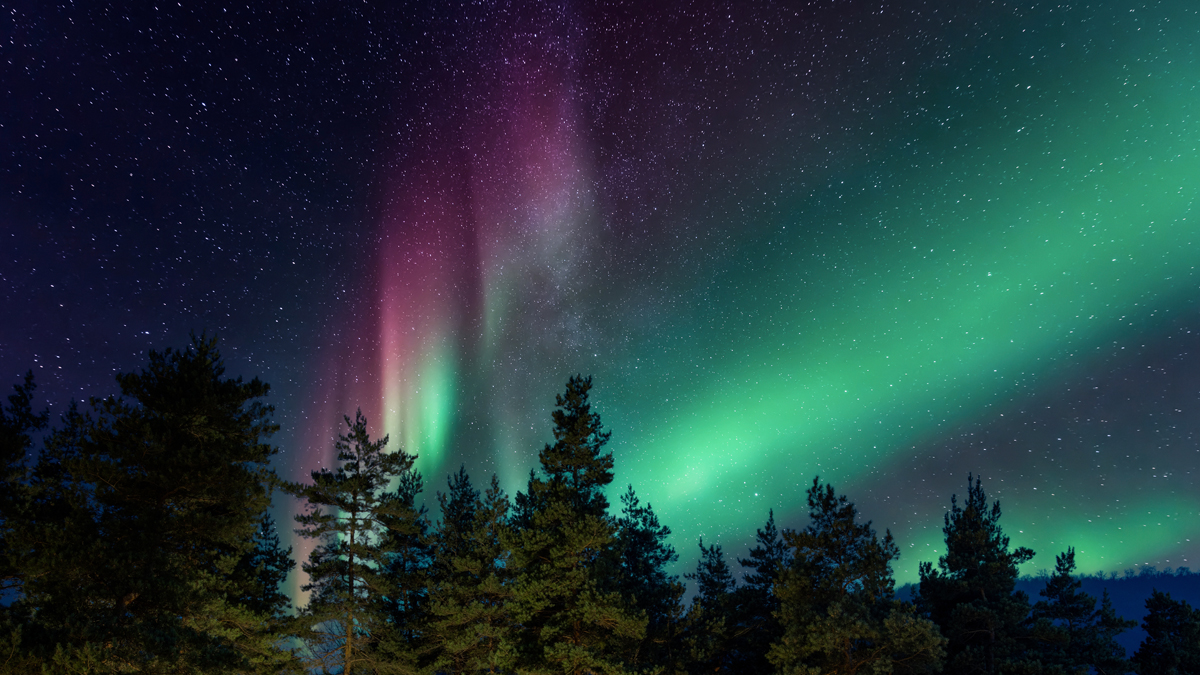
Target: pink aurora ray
<point x="482" y="233"/>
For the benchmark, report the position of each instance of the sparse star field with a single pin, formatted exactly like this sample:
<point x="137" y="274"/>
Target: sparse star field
<point x="889" y="243"/>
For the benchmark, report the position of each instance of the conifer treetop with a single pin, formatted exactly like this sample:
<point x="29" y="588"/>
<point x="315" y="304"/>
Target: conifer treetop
<point x="978" y="551"/>
<point x="576" y="464"/>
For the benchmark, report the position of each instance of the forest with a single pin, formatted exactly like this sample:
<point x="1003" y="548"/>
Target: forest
<point x="136" y="537"/>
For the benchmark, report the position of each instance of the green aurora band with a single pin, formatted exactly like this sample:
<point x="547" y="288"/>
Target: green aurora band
<point x="890" y="282"/>
<point x="1068" y="231"/>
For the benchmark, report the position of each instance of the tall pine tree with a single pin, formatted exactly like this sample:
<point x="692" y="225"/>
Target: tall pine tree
<point x="836" y="604"/>
<point x="569" y="622"/>
<point x="18" y="423"/>
<point x="1070" y="632"/>
<point x="451" y="539"/>
<point x="470" y="619"/>
<point x="758" y="625"/>
<point x="1104" y="653"/>
<point x="143" y="513"/>
<point x="409" y="554"/>
<point x="644" y="556"/>
<point x="711" y="634"/>
<point x="348" y="512"/>
<point x="970" y="594"/>
<point x="1172" y="644"/>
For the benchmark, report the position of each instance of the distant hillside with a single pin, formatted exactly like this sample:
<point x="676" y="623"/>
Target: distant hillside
<point x="1128" y="592"/>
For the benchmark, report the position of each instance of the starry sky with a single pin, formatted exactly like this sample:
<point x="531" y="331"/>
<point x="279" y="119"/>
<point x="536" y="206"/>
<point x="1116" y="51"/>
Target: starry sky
<point x="889" y="243"/>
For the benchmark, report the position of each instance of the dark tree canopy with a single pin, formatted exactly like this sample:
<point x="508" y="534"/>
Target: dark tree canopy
<point x="970" y="595"/>
<point x="409" y="555"/>
<point x="144" y="512"/>
<point x="348" y="515"/>
<point x="836" y="600"/>
<point x="755" y="623"/>
<point x="711" y="632"/>
<point x="18" y="423"/>
<point x="570" y="621"/>
<point x="141" y="540"/>
<point x="575" y="468"/>
<point x="642" y="576"/>
<point x="1172" y="644"/>
<point x="470" y="608"/>
<point x="261" y="572"/>
<point x="1069" y="632"/>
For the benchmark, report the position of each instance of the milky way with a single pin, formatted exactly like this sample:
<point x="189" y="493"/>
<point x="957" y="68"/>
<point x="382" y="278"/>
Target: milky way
<point x="886" y="243"/>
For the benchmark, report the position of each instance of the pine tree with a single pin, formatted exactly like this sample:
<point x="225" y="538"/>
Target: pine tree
<point x="58" y="539"/>
<point x="836" y="604"/>
<point x="714" y="580"/>
<point x="711" y="633"/>
<point x="17" y="424"/>
<point x="142" y="514"/>
<point x="451" y="539"/>
<point x="260" y="606"/>
<point x="642" y="576"/>
<point x="471" y="624"/>
<point x="1071" y="633"/>
<point x="757" y="623"/>
<point x="970" y="595"/>
<point x="451" y="544"/>
<point x="348" y="513"/>
<point x="569" y="623"/>
<point x="1172" y="644"/>
<point x="261" y="572"/>
<point x="409" y="555"/>
<point x="1104" y="653"/>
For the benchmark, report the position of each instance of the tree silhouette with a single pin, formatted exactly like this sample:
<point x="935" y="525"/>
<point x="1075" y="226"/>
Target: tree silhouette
<point x="348" y="513"/>
<point x="836" y="605"/>
<point x="569" y="622"/>
<point x="970" y="595"/>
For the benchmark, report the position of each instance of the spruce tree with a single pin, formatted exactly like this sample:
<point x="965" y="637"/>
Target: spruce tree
<point x="348" y="513"/>
<point x="836" y="604"/>
<point x="714" y="580"/>
<point x="1070" y="632"/>
<point x="18" y="423"/>
<point x="642" y="576"/>
<point x="409" y="554"/>
<point x="1104" y="653"/>
<point x="142" y="513"/>
<point x="451" y="538"/>
<point x="261" y="572"/>
<point x="260" y="606"/>
<point x="758" y="625"/>
<point x="59" y="540"/>
<point x="470" y="619"/>
<point x="1172" y="643"/>
<point x="710" y="630"/>
<point x="450" y="544"/>
<point x="970" y="594"/>
<point x="569" y="623"/>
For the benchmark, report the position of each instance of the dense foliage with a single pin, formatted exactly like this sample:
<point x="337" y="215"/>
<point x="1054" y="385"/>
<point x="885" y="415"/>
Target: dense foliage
<point x="137" y="537"/>
<point x="352" y="516"/>
<point x="138" y="541"/>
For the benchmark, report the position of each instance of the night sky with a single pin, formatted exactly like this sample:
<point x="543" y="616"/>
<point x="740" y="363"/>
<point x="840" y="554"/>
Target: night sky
<point x="889" y="243"/>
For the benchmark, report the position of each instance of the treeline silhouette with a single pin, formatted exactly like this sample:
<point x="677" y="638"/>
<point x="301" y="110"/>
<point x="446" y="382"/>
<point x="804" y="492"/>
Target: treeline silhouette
<point x="1128" y="592"/>
<point x="140" y="541"/>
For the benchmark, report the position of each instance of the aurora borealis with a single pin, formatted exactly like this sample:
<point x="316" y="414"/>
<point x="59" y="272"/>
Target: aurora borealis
<point x="890" y="243"/>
